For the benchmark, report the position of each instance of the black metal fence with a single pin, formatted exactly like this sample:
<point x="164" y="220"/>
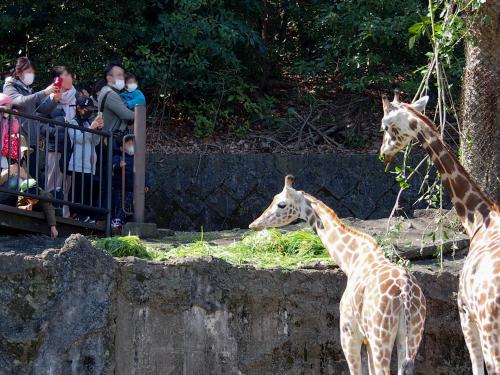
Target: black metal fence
<point x="71" y="162"/>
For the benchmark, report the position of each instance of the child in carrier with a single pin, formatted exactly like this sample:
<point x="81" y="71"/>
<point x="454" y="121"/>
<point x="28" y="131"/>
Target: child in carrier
<point x="123" y="182"/>
<point x="132" y="95"/>
<point x="9" y="129"/>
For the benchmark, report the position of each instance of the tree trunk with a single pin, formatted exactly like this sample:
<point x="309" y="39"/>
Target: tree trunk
<point x="480" y="139"/>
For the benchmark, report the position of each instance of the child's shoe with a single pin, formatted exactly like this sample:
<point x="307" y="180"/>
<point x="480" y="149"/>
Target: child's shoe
<point x="116" y="223"/>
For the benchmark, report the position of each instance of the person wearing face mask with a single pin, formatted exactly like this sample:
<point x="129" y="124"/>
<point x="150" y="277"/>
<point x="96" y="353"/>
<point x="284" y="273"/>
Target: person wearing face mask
<point x="123" y="186"/>
<point x="18" y="89"/>
<point x="115" y="113"/>
<point x="64" y="112"/>
<point x="132" y="95"/>
<point x="82" y="164"/>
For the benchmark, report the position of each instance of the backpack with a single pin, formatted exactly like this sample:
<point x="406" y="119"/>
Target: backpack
<point x="10" y="146"/>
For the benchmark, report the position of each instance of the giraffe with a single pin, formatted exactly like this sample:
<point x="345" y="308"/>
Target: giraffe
<point x="382" y="302"/>
<point x="479" y="286"/>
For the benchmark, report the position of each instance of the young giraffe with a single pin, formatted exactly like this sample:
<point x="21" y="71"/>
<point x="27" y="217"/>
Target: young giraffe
<point x="382" y="301"/>
<point x="479" y="289"/>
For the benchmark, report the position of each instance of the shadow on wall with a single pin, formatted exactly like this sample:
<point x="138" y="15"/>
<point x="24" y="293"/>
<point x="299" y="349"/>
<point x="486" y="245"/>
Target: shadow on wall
<point x="229" y="191"/>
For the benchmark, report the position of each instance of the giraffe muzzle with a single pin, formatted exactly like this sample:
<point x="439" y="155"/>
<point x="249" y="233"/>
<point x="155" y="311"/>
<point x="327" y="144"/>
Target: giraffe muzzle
<point x="256" y="225"/>
<point x="387" y="161"/>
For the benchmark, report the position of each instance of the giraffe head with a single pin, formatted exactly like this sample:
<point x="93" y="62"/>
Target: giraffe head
<point x="398" y="126"/>
<point x="285" y="208"/>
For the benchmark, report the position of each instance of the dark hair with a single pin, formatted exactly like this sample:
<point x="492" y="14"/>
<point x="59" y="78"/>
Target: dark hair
<point x="60" y="69"/>
<point x="126" y="139"/>
<point x="22" y="64"/>
<point x="98" y="87"/>
<point x="110" y="66"/>
<point x="87" y="86"/>
<point x="129" y="75"/>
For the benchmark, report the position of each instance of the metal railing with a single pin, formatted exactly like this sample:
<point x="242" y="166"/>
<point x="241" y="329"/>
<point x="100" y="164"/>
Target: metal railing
<point x="75" y="185"/>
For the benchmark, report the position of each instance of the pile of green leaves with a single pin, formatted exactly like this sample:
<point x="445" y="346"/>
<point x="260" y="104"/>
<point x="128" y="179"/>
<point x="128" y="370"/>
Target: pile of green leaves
<point x="265" y="249"/>
<point x="124" y="247"/>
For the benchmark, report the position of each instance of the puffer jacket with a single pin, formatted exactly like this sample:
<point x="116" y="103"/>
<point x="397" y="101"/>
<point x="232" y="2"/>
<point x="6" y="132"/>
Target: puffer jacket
<point x="26" y="101"/>
<point x="84" y="157"/>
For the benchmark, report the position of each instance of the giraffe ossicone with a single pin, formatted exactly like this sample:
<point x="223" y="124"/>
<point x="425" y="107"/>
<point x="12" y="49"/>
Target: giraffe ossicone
<point x="479" y="289"/>
<point x="382" y="303"/>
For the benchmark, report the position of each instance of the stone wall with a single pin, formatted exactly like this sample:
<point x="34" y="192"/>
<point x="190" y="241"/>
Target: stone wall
<point x="78" y="311"/>
<point x="229" y="191"/>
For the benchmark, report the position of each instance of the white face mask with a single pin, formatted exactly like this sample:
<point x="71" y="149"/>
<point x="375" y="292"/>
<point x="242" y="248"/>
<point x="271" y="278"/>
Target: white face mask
<point x="119" y="84"/>
<point x="130" y="150"/>
<point x="6" y="115"/>
<point x="131" y="87"/>
<point x="28" y="78"/>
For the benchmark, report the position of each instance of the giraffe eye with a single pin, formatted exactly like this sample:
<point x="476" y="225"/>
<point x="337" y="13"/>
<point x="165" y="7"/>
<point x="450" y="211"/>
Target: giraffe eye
<point x="282" y="205"/>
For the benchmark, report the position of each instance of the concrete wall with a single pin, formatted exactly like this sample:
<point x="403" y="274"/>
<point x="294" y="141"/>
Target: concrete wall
<point x="229" y="191"/>
<point x="77" y="311"/>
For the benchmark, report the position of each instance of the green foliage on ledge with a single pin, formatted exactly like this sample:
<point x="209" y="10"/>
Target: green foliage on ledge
<point x="265" y="249"/>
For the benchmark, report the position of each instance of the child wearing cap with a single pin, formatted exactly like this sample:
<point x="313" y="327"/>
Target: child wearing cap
<point x="37" y="203"/>
<point x="132" y="95"/>
<point x="83" y="160"/>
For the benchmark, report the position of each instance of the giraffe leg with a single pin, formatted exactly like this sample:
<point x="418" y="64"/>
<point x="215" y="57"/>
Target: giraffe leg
<point x="381" y="357"/>
<point x="473" y="341"/>
<point x="351" y="341"/>
<point x="490" y="342"/>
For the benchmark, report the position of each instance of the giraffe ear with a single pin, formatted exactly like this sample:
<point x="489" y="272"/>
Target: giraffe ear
<point x="289" y="179"/>
<point x="317" y="220"/>
<point x="386" y="105"/>
<point x="319" y="223"/>
<point x="420" y="104"/>
<point x="395" y="101"/>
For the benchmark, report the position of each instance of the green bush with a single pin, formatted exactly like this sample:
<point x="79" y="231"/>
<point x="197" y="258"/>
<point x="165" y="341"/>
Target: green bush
<point x="208" y="62"/>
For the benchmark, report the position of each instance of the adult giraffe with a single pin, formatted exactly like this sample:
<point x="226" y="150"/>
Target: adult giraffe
<point x="382" y="302"/>
<point x="479" y="289"/>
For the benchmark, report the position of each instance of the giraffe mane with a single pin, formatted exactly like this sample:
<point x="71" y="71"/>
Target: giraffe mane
<point x="427" y="121"/>
<point x="339" y="222"/>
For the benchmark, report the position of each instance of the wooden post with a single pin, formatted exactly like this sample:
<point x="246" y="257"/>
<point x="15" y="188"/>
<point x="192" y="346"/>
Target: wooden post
<point x="139" y="162"/>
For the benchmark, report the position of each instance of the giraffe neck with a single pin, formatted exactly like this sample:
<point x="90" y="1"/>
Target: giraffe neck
<point x="349" y="248"/>
<point x="471" y="204"/>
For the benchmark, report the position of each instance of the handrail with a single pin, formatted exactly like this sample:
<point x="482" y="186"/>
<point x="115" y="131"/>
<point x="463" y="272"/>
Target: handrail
<point x="103" y="133"/>
<point x="98" y="184"/>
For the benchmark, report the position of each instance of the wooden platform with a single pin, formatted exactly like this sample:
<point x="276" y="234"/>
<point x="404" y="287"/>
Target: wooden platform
<point x="34" y="222"/>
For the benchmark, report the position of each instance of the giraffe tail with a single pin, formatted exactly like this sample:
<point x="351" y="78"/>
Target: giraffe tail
<point x="406" y="366"/>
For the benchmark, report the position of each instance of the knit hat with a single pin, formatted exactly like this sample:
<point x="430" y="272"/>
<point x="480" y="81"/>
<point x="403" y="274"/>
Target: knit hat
<point x="27" y="185"/>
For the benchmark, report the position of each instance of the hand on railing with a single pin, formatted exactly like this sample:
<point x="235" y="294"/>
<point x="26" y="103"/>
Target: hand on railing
<point x="98" y="123"/>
